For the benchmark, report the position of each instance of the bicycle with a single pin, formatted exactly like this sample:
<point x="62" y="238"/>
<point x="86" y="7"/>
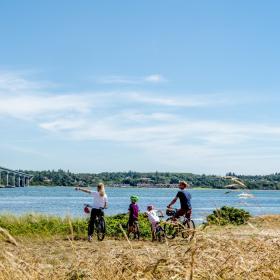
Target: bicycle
<point x="160" y="232"/>
<point x="174" y="227"/>
<point x="99" y="223"/>
<point x="133" y="232"/>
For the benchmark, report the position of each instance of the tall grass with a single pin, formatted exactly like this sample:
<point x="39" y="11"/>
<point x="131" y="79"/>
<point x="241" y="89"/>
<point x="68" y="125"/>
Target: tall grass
<point x="239" y="253"/>
<point x="43" y="225"/>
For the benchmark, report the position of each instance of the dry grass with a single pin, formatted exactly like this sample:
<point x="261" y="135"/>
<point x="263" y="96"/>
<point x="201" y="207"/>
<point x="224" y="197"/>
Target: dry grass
<point x="246" y="252"/>
<point x="7" y="236"/>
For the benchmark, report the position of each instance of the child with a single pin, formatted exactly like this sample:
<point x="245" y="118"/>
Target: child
<point x="133" y="212"/>
<point x="100" y="201"/>
<point x="153" y="217"/>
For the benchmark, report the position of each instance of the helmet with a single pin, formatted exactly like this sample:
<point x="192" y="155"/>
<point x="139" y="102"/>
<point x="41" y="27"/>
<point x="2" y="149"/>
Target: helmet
<point x="86" y="210"/>
<point x="134" y="198"/>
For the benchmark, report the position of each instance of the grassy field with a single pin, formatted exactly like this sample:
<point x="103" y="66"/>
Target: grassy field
<point x="33" y="225"/>
<point x="245" y="252"/>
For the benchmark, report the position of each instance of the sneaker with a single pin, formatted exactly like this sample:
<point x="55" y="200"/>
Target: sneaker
<point x="89" y="238"/>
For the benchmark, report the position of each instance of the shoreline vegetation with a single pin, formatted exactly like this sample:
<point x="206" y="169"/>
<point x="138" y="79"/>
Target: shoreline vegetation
<point x="35" y="224"/>
<point x="151" y="179"/>
<point x="249" y="251"/>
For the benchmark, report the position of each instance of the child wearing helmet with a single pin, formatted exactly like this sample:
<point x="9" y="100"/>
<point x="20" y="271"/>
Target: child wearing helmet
<point x="133" y="210"/>
<point x="153" y="218"/>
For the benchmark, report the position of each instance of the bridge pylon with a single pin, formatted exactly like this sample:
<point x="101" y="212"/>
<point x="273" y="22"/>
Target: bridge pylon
<point x="14" y="178"/>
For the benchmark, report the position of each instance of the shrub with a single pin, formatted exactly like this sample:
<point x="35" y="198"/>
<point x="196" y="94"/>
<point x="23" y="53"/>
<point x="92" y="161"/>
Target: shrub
<point x="228" y="215"/>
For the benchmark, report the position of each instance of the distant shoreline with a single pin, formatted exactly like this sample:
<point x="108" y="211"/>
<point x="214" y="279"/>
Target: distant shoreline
<point x="134" y="179"/>
<point x="142" y="187"/>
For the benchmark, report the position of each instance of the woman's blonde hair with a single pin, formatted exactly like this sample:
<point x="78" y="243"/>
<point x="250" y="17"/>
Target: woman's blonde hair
<point x="101" y="189"/>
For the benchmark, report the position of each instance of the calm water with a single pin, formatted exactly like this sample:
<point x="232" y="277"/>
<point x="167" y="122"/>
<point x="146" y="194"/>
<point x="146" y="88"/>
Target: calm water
<point x="66" y="201"/>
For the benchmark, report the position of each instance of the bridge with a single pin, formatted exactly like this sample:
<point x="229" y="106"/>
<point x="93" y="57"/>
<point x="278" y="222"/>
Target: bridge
<point x="12" y="178"/>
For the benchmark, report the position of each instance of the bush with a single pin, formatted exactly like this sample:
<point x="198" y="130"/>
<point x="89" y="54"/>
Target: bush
<point x="228" y="215"/>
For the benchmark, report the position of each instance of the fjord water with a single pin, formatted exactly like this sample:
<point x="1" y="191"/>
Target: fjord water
<point x="64" y="201"/>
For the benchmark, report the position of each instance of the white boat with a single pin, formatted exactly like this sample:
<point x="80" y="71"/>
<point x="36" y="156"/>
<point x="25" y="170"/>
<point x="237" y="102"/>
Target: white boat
<point x="245" y="195"/>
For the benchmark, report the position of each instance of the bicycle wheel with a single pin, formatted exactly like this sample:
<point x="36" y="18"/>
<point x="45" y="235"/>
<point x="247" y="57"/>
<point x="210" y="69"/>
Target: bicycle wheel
<point x="189" y="230"/>
<point x="160" y="234"/>
<point x="133" y="231"/>
<point x="130" y="231"/>
<point x="137" y="231"/>
<point x="170" y="228"/>
<point x="100" y="228"/>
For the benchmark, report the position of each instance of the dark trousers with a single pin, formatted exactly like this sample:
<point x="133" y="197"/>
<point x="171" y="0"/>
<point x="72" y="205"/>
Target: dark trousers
<point x="93" y="215"/>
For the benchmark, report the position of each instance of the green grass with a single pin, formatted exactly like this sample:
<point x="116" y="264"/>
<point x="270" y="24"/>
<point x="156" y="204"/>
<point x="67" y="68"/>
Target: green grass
<point x="45" y="226"/>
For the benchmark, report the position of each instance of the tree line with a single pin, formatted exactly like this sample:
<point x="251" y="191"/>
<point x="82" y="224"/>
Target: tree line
<point x="162" y="179"/>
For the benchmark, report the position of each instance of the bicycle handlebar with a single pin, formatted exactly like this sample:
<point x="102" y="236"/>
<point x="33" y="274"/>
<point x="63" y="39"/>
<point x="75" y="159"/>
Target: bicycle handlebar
<point x="171" y="208"/>
<point x="88" y="205"/>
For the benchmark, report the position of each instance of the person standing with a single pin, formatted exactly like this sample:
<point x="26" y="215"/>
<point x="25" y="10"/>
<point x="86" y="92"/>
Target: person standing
<point x="100" y="202"/>
<point x="133" y="211"/>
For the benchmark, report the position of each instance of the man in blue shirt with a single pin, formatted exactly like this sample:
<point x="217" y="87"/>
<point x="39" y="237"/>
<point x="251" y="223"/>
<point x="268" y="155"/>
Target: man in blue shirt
<point x="185" y="201"/>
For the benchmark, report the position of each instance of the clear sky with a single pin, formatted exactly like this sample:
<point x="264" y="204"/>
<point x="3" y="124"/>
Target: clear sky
<point x="189" y="86"/>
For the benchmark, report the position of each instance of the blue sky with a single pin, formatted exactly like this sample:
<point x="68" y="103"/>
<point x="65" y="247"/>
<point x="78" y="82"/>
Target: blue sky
<point x="188" y="86"/>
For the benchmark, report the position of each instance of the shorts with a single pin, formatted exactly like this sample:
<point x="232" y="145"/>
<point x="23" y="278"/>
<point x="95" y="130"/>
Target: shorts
<point x="184" y="212"/>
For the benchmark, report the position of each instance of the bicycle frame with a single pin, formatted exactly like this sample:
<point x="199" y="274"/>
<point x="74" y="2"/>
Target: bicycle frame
<point x="174" y="226"/>
<point x="133" y="229"/>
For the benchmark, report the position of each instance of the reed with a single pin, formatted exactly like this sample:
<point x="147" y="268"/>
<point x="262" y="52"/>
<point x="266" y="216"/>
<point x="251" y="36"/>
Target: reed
<point x="230" y="252"/>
